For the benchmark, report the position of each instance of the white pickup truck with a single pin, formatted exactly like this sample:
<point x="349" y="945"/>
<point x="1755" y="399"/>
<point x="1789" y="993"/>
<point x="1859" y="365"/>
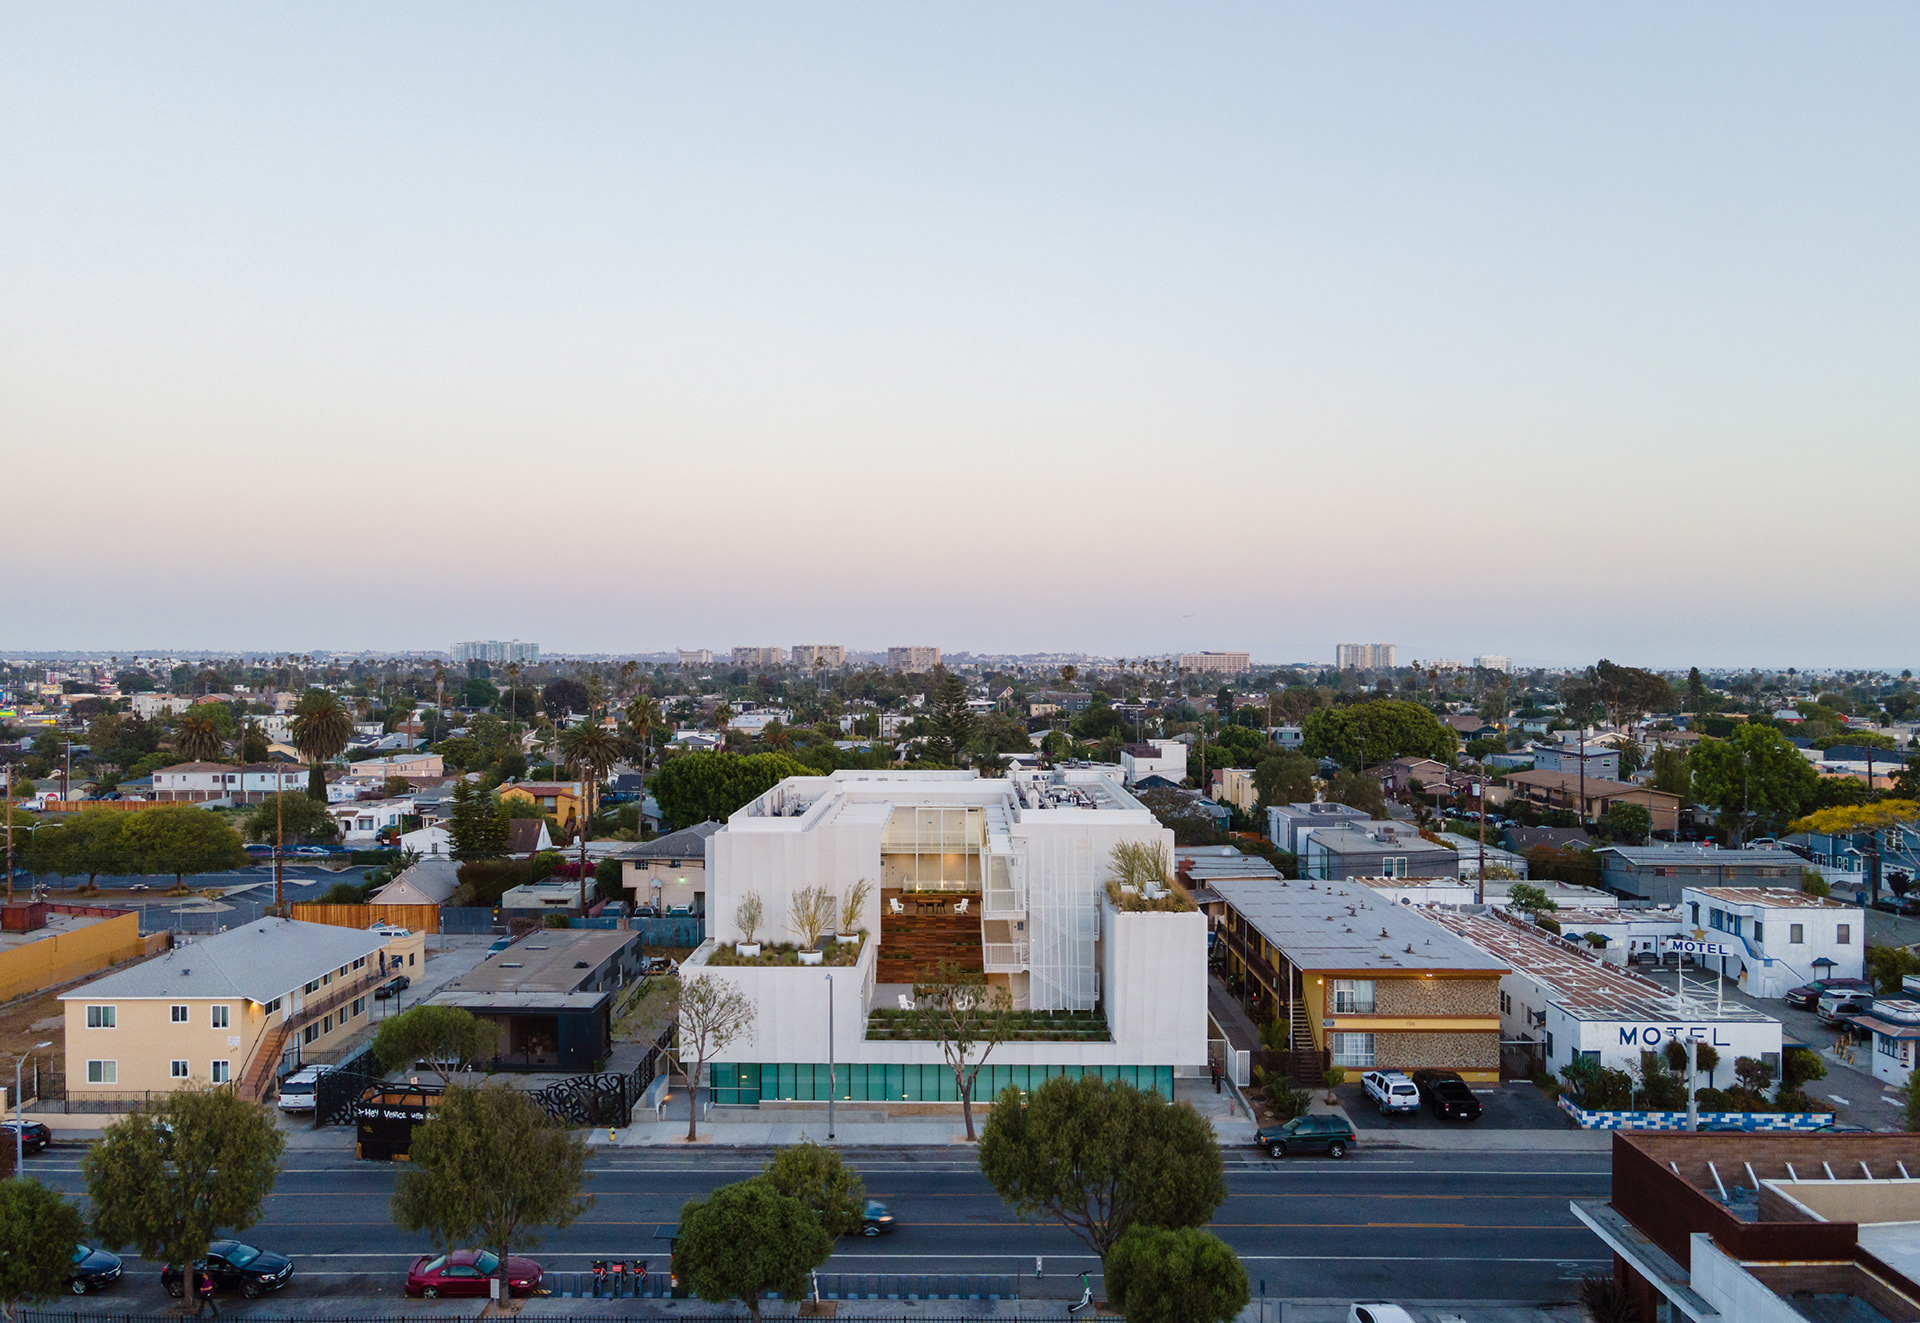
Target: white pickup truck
<point x="1391" y="1091"/>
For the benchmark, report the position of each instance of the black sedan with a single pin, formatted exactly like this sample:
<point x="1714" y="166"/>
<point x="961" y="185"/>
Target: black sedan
<point x="231" y="1265"/>
<point x="1447" y="1095"/>
<point x="92" y="1270"/>
<point x="392" y="988"/>
<point x="33" y="1135"/>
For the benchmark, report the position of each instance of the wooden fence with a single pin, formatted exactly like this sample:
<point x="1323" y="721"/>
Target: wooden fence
<point x="414" y="918"/>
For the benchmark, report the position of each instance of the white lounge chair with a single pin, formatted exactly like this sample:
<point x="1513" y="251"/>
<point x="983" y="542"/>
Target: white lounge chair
<point x="906" y="1002"/>
<point x="893" y="903"/>
<point x="961" y="908"/>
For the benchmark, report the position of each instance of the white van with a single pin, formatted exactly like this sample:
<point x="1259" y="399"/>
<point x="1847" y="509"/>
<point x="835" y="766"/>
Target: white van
<point x="296" y="1090"/>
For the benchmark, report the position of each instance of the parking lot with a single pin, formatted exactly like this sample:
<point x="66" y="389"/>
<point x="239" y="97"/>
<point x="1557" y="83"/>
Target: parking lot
<point x="1513" y="1105"/>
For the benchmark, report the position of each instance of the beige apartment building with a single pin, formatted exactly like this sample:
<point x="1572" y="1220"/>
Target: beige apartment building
<point x="242" y="1007"/>
<point x="808" y="655"/>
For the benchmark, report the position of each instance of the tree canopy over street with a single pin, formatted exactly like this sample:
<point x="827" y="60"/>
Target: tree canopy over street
<point x="747" y="1239"/>
<point x="178" y="1173"/>
<point x="1175" y="1275"/>
<point x="38" y="1230"/>
<point x="1100" y="1156"/>
<point x="445" y="1037"/>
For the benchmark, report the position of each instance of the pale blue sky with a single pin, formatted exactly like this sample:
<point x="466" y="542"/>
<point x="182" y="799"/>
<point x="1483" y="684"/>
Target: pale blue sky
<point x="1542" y="330"/>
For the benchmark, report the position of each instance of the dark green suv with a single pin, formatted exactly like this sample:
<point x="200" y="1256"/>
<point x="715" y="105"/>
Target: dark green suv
<point x="1330" y="1135"/>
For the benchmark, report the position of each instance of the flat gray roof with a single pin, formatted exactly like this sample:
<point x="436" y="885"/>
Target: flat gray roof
<point x="545" y="962"/>
<point x="1346" y="926"/>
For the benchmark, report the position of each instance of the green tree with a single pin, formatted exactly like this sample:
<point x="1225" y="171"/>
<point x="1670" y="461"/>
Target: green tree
<point x="1375" y="732"/>
<point x="814" y="1174"/>
<point x="1629" y="822"/>
<point x="196" y="739"/>
<point x="1284" y="778"/>
<point x="254" y="745"/>
<point x="321" y="729"/>
<point x="702" y="787"/>
<point x="180" y="1172"/>
<point x="39" y="1230"/>
<point x="1100" y="1156"/>
<point x="1529" y="899"/>
<point x="745" y="1240"/>
<point x="478" y="692"/>
<point x="643" y="719"/>
<point x="1754" y="776"/>
<point x="478" y="823"/>
<point x="1671" y="773"/>
<point x="1627" y="691"/>
<point x="1358" y="790"/>
<point x="306" y="820"/>
<point x="951" y="720"/>
<point x="968" y="1018"/>
<point x="1175" y="1275"/>
<point x="86" y="845"/>
<point x="445" y="1037"/>
<point x="179" y="839"/>
<point x="564" y="696"/>
<point x="491" y="1169"/>
<point x="1697" y="696"/>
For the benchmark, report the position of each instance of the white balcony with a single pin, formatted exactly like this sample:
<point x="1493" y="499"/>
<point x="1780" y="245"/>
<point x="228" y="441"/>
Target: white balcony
<point x="1004" y="957"/>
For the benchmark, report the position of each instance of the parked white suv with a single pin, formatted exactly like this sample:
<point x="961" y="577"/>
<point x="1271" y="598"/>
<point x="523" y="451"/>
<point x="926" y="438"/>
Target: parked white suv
<point x="296" y="1090"/>
<point x="1391" y="1091"/>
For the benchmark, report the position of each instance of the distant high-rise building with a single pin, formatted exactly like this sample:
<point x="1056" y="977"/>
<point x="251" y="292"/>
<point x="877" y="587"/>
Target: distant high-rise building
<point x="759" y="656"/>
<point x="495" y="650"/>
<point x="1216" y="663"/>
<point x="805" y="655"/>
<point x="1365" y="656"/>
<point x="1493" y="661"/>
<point x="913" y="660"/>
<point x="696" y="656"/>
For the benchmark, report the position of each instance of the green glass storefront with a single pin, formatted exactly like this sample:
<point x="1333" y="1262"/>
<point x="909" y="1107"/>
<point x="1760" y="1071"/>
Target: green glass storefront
<point x="752" y="1083"/>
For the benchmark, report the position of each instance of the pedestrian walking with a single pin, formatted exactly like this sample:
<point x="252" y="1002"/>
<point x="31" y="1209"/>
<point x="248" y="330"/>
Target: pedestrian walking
<point x="1213" y="1064"/>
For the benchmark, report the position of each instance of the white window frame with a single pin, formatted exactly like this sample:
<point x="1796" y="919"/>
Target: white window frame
<point x="221" y="1017"/>
<point x="220" y="1072"/>
<point x="1354" y="1051"/>
<point x="1348" y="998"/>
<point x="103" y="1017"/>
<point x="179" y="1014"/>
<point x="103" y="1072"/>
<point x="179" y="1070"/>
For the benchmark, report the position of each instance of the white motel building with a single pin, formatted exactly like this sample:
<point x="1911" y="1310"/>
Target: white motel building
<point x="1006" y="876"/>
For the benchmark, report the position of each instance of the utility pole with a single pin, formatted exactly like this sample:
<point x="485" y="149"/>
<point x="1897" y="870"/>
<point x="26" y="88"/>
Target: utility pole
<point x="279" y="840"/>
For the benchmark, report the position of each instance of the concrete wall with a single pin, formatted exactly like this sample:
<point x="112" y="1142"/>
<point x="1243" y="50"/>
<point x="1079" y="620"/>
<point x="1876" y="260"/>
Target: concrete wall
<point x="1154" y="986"/>
<point x="62" y="957"/>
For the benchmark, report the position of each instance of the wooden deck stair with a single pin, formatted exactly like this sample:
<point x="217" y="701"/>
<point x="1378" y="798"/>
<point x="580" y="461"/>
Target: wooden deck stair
<point x="253" y="1085"/>
<point x="912" y="946"/>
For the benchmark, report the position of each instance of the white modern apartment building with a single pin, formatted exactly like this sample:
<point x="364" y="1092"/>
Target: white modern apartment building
<point x="1166" y="758"/>
<point x="1493" y="661"/>
<point x="808" y="655"/>
<point x="759" y="656"/>
<point x="1216" y="663"/>
<point x="912" y="659"/>
<point x="696" y="656"/>
<point x="495" y="650"/>
<point x="1365" y="656"/>
<point x="1006" y="876"/>
<point x="1779" y="938"/>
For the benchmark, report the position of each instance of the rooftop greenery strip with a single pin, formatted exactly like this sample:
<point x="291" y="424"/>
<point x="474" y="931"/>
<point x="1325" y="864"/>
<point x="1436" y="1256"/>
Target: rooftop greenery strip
<point x="833" y="954"/>
<point x="886" y="1024"/>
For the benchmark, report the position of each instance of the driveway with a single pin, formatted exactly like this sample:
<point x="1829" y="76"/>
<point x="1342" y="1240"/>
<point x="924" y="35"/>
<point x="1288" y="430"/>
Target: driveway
<point x="1513" y="1105"/>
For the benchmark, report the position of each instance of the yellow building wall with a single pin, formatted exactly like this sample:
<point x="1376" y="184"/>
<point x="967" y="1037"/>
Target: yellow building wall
<point x="566" y="804"/>
<point x="145" y="1040"/>
<point x="66" y="956"/>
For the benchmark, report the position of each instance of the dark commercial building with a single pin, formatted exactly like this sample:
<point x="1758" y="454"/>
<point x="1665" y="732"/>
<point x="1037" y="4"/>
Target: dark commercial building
<point x="552" y="995"/>
<point x="1659" y="873"/>
<point x="1754" y="1227"/>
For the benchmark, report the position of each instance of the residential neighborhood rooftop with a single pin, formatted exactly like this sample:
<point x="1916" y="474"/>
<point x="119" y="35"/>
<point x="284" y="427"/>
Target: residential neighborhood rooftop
<point x="257" y="961"/>
<point x="1779" y="898"/>
<point x="1343" y="927"/>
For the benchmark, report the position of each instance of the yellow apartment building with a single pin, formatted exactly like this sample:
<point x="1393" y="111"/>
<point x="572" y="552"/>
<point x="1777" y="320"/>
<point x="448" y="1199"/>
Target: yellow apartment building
<point x="242" y="1007"/>
<point x="560" y="800"/>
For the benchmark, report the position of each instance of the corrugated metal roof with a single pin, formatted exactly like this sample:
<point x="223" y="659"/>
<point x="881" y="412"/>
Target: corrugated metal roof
<point x="258" y="961"/>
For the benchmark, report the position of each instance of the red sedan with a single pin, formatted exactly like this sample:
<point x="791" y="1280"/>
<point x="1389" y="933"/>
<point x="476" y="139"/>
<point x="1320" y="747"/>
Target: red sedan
<point x="465" y="1272"/>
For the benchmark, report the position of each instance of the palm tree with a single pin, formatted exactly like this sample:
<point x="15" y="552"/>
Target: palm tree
<point x="590" y="754"/>
<point x="643" y="716"/>
<point x="722" y="714"/>
<point x="321" y="730"/>
<point x="196" y="739"/>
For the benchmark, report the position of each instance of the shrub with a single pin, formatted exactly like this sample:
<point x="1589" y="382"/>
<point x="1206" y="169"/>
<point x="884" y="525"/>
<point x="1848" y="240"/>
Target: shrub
<point x="1335" y="1076"/>
<point x="555" y="921"/>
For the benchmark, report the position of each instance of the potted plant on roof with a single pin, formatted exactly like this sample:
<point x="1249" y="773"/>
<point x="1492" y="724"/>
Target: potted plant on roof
<point x="851" y="907"/>
<point x="748" y="915"/>
<point x="811" y="914"/>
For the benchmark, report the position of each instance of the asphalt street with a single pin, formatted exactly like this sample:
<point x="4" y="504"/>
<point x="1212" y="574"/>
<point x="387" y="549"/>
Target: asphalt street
<point x="1382" y="1225"/>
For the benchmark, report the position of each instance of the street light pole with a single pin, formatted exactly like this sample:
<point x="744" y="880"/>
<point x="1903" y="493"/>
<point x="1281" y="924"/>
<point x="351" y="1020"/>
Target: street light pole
<point x="19" y="1113"/>
<point x="833" y="1076"/>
